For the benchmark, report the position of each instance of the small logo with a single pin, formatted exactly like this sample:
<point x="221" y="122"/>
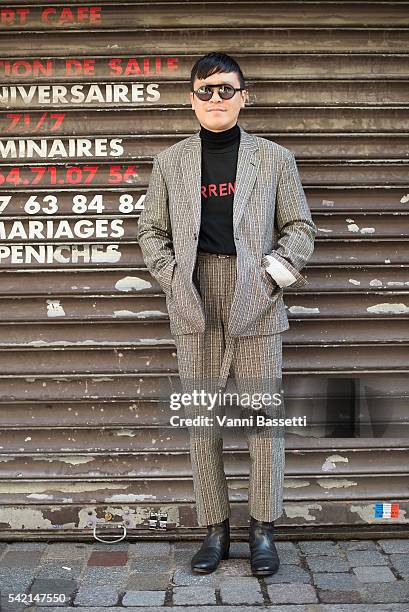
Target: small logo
<point x="387" y="511"/>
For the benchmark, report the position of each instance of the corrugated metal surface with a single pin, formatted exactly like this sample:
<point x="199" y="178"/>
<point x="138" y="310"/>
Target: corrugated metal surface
<point x="87" y="97"/>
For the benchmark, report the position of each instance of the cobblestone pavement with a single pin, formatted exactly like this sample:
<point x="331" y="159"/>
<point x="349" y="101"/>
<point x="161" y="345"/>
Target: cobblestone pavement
<point x="335" y="576"/>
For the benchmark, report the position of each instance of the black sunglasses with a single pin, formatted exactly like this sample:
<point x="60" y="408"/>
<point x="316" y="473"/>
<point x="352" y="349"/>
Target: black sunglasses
<point x="226" y="92"/>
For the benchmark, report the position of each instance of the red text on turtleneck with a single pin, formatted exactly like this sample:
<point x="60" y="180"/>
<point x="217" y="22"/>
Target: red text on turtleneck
<point x="218" y="190"/>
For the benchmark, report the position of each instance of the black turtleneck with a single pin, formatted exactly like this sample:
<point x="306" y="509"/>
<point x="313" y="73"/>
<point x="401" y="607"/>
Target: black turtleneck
<point x="219" y="164"/>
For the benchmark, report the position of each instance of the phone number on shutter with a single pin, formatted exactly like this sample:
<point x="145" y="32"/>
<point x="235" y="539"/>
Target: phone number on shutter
<point x="80" y="204"/>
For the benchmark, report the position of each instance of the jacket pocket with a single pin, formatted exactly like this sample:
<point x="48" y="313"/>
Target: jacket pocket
<point x="172" y="281"/>
<point x="268" y="281"/>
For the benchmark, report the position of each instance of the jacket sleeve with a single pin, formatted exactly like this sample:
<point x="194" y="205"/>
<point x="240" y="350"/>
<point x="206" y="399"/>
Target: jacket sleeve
<point x="295" y="227"/>
<point x="154" y="230"/>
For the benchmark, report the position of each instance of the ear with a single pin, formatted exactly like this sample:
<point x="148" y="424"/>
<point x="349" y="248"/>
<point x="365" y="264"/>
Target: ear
<point x="192" y="96"/>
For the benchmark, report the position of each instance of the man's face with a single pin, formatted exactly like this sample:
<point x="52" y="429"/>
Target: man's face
<point x="218" y="115"/>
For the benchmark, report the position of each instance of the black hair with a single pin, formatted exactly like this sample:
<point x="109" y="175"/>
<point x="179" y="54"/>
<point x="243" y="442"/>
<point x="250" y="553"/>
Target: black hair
<point x="212" y="63"/>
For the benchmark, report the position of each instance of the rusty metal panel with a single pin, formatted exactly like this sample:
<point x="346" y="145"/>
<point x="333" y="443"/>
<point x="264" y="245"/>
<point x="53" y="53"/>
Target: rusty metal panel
<point x="330" y="226"/>
<point x="87" y="361"/>
<point x="173" y="94"/>
<point x="120" y="490"/>
<point x="297" y="358"/>
<point x="175" y="40"/>
<point x="79" y="254"/>
<point x="322" y="277"/>
<point x="105" y="174"/>
<point x="331" y="120"/>
<point x="66" y="521"/>
<point x="99" y="334"/>
<point x="177" y="465"/>
<point x="117" y="412"/>
<point x="142" y="148"/>
<point x="257" y="67"/>
<point x="143" y="15"/>
<point x="143" y="441"/>
<point x="150" y="309"/>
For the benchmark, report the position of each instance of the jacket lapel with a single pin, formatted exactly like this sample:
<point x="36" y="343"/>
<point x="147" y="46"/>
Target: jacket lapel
<point x="248" y="164"/>
<point x="191" y="162"/>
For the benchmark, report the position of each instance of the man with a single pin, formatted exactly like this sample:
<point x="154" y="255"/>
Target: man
<point x="225" y="228"/>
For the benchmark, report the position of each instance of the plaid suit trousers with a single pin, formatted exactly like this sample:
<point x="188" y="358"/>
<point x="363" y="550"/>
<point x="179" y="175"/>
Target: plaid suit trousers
<point x="256" y="363"/>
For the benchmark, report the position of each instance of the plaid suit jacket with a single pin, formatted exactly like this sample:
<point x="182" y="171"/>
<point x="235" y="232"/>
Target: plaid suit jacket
<point x="273" y="233"/>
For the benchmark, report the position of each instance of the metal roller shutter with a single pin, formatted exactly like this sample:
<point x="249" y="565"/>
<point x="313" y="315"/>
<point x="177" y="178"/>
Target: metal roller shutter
<point x="89" y="94"/>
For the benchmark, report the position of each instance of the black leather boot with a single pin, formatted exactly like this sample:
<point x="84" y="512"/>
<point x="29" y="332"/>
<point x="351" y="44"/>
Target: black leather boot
<point x="214" y="548"/>
<point x="263" y="553"/>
